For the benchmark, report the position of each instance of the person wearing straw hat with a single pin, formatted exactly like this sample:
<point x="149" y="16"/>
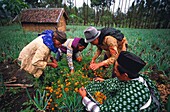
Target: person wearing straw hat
<point x="109" y="39"/>
<point x="35" y="56"/>
<point x="128" y="92"/>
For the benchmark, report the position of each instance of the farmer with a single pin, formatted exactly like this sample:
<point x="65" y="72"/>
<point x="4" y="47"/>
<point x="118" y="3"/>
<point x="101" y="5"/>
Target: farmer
<point x="108" y="39"/>
<point x="36" y="55"/>
<point x="73" y="48"/>
<point x="129" y="92"/>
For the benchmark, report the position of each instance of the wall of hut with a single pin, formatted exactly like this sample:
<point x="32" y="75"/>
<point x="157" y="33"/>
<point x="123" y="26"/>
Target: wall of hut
<point x="62" y="24"/>
<point x="39" y="27"/>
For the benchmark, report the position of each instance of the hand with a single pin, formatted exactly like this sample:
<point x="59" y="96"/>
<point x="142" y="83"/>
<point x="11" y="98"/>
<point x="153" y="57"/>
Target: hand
<point x="92" y="61"/>
<point x="106" y="66"/>
<point x="79" y="59"/>
<point x="94" y="66"/>
<point x="72" y="71"/>
<point x="53" y="60"/>
<point x="98" y="79"/>
<point x="82" y="92"/>
<point x="54" y="65"/>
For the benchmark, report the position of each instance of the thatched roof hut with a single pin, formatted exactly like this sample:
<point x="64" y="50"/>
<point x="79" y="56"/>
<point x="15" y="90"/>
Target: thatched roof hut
<point x="39" y="19"/>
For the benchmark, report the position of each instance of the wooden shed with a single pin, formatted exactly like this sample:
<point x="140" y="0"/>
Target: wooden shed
<point x="39" y="19"/>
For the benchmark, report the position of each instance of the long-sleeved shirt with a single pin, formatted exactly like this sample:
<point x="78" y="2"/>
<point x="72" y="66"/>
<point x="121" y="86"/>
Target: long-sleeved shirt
<point x="34" y="57"/>
<point x="69" y="52"/>
<point x="126" y="96"/>
<point x="112" y="47"/>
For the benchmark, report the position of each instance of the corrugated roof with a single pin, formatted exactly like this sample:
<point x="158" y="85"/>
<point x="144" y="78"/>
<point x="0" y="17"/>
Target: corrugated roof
<point x="42" y="15"/>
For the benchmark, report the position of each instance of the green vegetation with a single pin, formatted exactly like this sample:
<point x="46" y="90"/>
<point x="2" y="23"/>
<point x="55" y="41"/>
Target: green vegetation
<point x="60" y="86"/>
<point x="151" y="44"/>
<point x="119" y="13"/>
<point x="40" y="99"/>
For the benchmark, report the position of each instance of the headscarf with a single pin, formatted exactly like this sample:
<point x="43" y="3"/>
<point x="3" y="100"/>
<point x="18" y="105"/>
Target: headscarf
<point x="48" y="40"/>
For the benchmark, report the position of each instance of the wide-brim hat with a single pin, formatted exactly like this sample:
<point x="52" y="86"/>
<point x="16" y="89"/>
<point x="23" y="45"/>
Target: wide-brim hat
<point x="131" y="63"/>
<point x="91" y="34"/>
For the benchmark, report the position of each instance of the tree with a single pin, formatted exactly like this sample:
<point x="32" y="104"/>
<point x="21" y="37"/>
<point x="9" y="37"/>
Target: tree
<point x="101" y="6"/>
<point x="12" y="7"/>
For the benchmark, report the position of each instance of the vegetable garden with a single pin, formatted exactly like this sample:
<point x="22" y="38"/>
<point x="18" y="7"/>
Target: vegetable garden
<point x="58" y="91"/>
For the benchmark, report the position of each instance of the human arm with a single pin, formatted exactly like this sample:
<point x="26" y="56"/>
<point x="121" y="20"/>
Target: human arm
<point x="96" y="55"/>
<point x="111" y="42"/>
<point x="90" y="105"/>
<point x="124" y="44"/>
<point x="94" y="65"/>
<point x="70" y="59"/>
<point x="53" y="64"/>
<point x="107" y="87"/>
<point x="98" y="79"/>
<point x="41" y="57"/>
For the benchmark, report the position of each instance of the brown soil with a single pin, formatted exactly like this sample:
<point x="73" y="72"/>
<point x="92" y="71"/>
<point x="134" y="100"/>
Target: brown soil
<point x="13" y="98"/>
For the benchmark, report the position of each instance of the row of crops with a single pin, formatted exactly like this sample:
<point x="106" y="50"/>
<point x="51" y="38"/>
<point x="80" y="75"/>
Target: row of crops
<point x="151" y="44"/>
<point x="59" y="90"/>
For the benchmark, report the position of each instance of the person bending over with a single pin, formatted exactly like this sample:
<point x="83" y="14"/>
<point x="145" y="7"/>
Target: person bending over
<point x="35" y="56"/>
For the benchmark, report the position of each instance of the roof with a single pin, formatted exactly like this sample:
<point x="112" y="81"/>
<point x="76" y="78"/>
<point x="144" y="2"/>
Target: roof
<point x="43" y="15"/>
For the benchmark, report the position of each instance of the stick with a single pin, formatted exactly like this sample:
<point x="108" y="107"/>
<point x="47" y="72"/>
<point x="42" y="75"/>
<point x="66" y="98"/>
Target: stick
<point x="19" y="85"/>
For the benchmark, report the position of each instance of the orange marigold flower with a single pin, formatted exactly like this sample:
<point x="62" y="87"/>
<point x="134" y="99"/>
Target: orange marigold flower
<point x="57" y="92"/>
<point x="56" y="105"/>
<point x="61" y="85"/>
<point x="66" y="89"/>
<point x="76" y="83"/>
<point x="47" y="87"/>
<point x="99" y="96"/>
<point x="66" y="80"/>
<point x="49" y="103"/>
<point x="58" y="89"/>
<point x="67" y="84"/>
<point x="51" y="90"/>
<point x="51" y="99"/>
<point x="60" y="96"/>
<point x="76" y="89"/>
<point x="58" y="81"/>
<point x="52" y="109"/>
<point x="48" y="94"/>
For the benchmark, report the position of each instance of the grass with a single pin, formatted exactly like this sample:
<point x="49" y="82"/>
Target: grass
<point x="152" y="45"/>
